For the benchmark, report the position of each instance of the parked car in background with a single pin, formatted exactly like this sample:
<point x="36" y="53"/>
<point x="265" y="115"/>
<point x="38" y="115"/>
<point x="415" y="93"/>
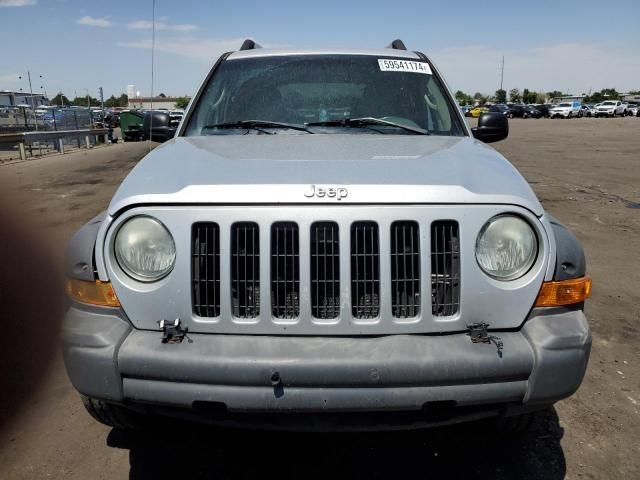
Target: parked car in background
<point x="610" y="108"/>
<point x="543" y="108"/>
<point x="566" y="110"/>
<point x="531" y="112"/>
<point x="159" y="126"/>
<point x="465" y="110"/>
<point x="632" y="110"/>
<point x="515" y="110"/>
<point x="500" y="108"/>
<point x="475" y="112"/>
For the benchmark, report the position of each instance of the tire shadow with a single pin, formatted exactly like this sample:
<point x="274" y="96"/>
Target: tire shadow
<point x="465" y="451"/>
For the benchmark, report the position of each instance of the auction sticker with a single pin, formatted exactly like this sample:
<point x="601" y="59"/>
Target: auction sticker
<point x="387" y="65"/>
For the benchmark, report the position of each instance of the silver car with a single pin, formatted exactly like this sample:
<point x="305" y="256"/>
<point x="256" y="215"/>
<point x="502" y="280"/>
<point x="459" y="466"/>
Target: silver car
<point x="325" y="244"/>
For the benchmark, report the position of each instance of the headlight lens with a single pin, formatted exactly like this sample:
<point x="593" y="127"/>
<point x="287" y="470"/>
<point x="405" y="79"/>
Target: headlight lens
<point x="506" y="247"/>
<point x="145" y="249"/>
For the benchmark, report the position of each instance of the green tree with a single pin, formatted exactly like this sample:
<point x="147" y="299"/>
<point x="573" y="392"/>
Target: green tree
<point x="182" y="102"/>
<point x="162" y="95"/>
<point x="528" y="96"/>
<point x="463" y="98"/>
<point x="60" y="100"/>
<point x="514" y="95"/>
<point x="82" y="102"/>
<point x="554" y="94"/>
<point x="602" y="95"/>
<point x="123" y="100"/>
<point x="501" y="96"/>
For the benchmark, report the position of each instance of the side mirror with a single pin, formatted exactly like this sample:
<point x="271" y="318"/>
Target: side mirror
<point x="492" y="127"/>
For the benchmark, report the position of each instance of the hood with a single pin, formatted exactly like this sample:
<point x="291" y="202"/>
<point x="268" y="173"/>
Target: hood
<point x="321" y="169"/>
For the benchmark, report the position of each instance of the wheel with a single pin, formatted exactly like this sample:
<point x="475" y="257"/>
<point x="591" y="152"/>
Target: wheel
<point x="112" y="415"/>
<point x="569" y="115"/>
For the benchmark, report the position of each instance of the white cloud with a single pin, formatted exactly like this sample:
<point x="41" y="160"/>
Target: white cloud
<point x="575" y="67"/>
<point x="16" y="3"/>
<point x="147" y="25"/>
<point x="204" y="50"/>
<point x="94" y="21"/>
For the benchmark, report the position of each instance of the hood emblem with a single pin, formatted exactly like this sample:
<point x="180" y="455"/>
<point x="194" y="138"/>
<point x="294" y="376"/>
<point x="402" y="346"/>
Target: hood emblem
<point x="316" y="191"/>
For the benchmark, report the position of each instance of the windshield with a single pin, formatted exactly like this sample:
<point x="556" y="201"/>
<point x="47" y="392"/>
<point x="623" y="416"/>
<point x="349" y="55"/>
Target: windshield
<point x="608" y="103"/>
<point x="303" y="89"/>
<point x="564" y="105"/>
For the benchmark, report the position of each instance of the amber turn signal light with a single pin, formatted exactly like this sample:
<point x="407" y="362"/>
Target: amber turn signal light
<point x="92" y="293"/>
<point x="565" y="292"/>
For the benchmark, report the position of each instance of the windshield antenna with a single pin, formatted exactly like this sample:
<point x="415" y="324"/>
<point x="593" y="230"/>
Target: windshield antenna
<point x="153" y="44"/>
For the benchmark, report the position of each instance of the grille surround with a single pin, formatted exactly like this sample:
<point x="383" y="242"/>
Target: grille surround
<point x="170" y="298"/>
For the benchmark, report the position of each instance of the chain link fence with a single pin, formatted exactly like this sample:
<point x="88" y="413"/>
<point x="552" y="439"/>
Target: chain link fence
<point x="20" y="120"/>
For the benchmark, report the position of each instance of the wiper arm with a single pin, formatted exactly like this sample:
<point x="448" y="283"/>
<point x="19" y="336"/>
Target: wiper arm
<point x="365" y="121"/>
<point x="258" y="125"/>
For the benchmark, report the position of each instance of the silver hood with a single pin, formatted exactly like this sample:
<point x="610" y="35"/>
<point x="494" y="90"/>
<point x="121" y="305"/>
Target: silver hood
<point x="285" y="169"/>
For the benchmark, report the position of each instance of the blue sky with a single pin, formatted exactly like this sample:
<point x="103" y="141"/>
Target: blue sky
<point x="76" y="45"/>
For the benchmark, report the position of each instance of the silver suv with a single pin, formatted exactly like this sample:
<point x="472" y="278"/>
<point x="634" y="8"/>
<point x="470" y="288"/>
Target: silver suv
<point x="325" y="243"/>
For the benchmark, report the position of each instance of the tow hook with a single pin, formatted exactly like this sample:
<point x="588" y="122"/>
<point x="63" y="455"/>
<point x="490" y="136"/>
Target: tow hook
<point x="479" y="334"/>
<point x="172" y="331"/>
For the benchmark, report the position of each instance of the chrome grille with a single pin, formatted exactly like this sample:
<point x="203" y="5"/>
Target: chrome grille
<point x="285" y="270"/>
<point x="205" y="273"/>
<point x="445" y="268"/>
<point x="365" y="270"/>
<point x="405" y="269"/>
<point x="325" y="270"/>
<point x="245" y="270"/>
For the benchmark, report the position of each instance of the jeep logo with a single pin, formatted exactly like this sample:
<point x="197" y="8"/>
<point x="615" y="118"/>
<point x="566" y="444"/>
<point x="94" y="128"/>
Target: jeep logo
<point x="330" y="192"/>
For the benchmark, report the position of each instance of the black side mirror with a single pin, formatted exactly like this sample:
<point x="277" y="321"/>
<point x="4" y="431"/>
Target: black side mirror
<point x="492" y="127"/>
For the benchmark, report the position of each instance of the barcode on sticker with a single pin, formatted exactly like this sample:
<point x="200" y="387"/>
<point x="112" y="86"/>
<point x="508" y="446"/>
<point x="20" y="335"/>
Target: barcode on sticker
<point x="387" y="65"/>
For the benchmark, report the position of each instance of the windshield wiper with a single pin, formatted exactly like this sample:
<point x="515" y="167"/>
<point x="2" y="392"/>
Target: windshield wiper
<point x="258" y="125"/>
<point x="366" y="121"/>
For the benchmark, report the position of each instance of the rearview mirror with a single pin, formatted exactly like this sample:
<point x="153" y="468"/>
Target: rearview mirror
<point x="492" y="127"/>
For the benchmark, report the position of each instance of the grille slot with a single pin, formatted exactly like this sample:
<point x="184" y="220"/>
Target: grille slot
<point x="325" y="270"/>
<point x="445" y="268"/>
<point x="405" y="269"/>
<point x="245" y="270"/>
<point x="285" y="270"/>
<point x="205" y="269"/>
<point x="365" y="270"/>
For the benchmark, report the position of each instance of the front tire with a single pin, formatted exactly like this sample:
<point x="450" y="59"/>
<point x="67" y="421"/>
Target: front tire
<point x="112" y="415"/>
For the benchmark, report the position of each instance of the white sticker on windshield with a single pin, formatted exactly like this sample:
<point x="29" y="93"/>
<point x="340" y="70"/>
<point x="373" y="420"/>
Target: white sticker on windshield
<point x="388" y="65"/>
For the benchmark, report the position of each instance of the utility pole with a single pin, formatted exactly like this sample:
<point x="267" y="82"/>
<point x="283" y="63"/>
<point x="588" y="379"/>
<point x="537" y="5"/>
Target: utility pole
<point x="502" y="73"/>
<point x="88" y="98"/>
<point x="33" y="100"/>
<point x="102" y="103"/>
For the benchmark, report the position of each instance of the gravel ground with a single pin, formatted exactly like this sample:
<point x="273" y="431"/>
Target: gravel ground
<point x="585" y="171"/>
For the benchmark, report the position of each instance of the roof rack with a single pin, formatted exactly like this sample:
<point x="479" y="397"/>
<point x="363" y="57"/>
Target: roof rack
<point x="249" y="44"/>
<point x="397" y="44"/>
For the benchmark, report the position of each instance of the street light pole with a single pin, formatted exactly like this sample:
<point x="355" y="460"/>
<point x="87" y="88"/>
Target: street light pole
<point x="33" y="101"/>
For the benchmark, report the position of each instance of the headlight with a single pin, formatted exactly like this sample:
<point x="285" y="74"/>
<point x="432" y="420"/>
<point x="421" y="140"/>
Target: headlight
<point x="506" y="247"/>
<point x="145" y="249"/>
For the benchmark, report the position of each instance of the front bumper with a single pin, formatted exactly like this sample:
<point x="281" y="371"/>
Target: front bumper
<point x="541" y="363"/>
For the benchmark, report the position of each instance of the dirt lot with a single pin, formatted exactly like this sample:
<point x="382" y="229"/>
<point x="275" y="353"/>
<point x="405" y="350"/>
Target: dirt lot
<point x="585" y="171"/>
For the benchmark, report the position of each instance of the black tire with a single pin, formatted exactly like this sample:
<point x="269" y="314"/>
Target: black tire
<point x="112" y="415"/>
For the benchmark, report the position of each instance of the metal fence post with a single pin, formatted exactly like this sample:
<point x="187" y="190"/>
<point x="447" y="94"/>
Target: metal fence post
<point x="61" y="143"/>
<point x="23" y="154"/>
<point x="88" y="142"/>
